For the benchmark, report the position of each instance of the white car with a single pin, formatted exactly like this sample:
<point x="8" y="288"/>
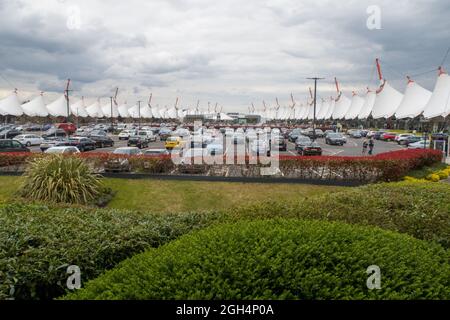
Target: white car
<point x="260" y="147"/>
<point x="126" y="134"/>
<point x="402" y="138"/>
<point x="63" y="150"/>
<point x="147" y="134"/>
<point x="422" y="144"/>
<point x="29" y="139"/>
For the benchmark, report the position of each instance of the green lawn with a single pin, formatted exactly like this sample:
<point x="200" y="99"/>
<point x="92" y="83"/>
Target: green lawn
<point x="175" y="196"/>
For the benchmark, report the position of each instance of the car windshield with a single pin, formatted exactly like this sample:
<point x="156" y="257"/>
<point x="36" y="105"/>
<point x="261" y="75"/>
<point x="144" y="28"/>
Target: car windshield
<point x="155" y="151"/>
<point x="172" y="139"/>
<point x="334" y="135"/>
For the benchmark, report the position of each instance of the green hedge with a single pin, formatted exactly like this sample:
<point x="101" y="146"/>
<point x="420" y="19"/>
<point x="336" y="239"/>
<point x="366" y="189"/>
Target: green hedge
<point x="280" y="259"/>
<point x="37" y="243"/>
<point x="421" y="210"/>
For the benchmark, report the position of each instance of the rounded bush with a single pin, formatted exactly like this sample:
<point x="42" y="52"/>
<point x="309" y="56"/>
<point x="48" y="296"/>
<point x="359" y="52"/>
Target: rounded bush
<point x="60" y="179"/>
<point x="280" y="259"/>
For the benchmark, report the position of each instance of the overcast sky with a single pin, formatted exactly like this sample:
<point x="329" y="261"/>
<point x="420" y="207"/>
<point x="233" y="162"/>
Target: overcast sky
<point x="232" y="52"/>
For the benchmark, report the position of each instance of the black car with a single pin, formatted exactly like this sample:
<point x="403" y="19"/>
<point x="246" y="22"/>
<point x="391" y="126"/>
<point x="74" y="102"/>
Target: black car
<point x="335" y="139"/>
<point x="281" y="143"/>
<point x="9" y="133"/>
<point x="102" y="141"/>
<point x="310" y="149"/>
<point x="9" y="145"/>
<point x="301" y="141"/>
<point x="52" y="133"/>
<point x="82" y="143"/>
<point x="136" y="141"/>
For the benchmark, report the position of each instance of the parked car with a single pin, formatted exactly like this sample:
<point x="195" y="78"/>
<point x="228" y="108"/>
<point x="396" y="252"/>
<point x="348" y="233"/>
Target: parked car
<point x="411" y="139"/>
<point x="294" y="135"/>
<point x="355" y="134"/>
<point x="53" y="132"/>
<point x="126" y="134"/>
<point x="377" y="135"/>
<point x="147" y="134"/>
<point x="121" y="164"/>
<point x="102" y="141"/>
<point x="29" y="139"/>
<point x="214" y="149"/>
<point x="9" y="133"/>
<point x="82" y="143"/>
<point x="422" y="144"/>
<point x="401" y="138"/>
<point x="164" y="133"/>
<point x="137" y="141"/>
<point x="193" y="156"/>
<point x="156" y="152"/>
<point x="173" y="142"/>
<point x="260" y="147"/>
<point x="335" y="139"/>
<point x="280" y="142"/>
<point x="310" y="149"/>
<point x="68" y="127"/>
<point x="301" y="141"/>
<point x="63" y="150"/>
<point x="388" y="136"/>
<point x="97" y="133"/>
<point x="51" y="142"/>
<point x="10" y="145"/>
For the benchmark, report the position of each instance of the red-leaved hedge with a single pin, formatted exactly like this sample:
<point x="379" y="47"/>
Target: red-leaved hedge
<point x="388" y="166"/>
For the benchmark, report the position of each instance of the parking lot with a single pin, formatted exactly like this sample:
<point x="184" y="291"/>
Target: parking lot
<point x="353" y="147"/>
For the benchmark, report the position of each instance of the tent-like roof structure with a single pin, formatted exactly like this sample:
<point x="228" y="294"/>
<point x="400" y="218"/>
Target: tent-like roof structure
<point x="330" y="111"/>
<point x="123" y="110"/>
<point x="355" y="107"/>
<point x="36" y="107"/>
<point x="387" y="101"/>
<point x="439" y="103"/>
<point x="369" y="101"/>
<point x="78" y="109"/>
<point x="341" y="107"/>
<point x="11" y="106"/>
<point x="58" y="108"/>
<point x="94" y="110"/>
<point x="106" y="110"/>
<point x="414" y="101"/>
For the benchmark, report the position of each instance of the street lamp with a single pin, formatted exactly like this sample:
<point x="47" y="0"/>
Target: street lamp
<point x="315" y="98"/>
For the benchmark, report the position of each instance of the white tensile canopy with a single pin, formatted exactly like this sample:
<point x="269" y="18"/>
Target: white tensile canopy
<point x="58" y="108"/>
<point x="106" y="110"/>
<point x="123" y="110"/>
<point x="330" y="110"/>
<point x="134" y="111"/>
<point x="36" y="107"/>
<point x="305" y="111"/>
<point x="155" y="113"/>
<point x="414" y="101"/>
<point x="310" y="114"/>
<point x="387" y="101"/>
<point x="367" y="107"/>
<point x="341" y="107"/>
<point x="94" y="110"/>
<point x="11" y="106"/>
<point x="439" y="103"/>
<point x="323" y="109"/>
<point x="172" y="113"/>
<point x="78" y="109"/>
<point x="355" y="107"/>
<point x="224" y="116"/>
<point x="146" y="111"/>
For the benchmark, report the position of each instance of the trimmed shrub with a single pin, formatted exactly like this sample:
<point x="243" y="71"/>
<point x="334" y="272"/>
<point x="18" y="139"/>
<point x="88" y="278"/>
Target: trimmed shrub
<point x="38" y="242"/>
<point x="280" y="259"/>
<point x="421" y="210"/>
<point x="60" y="179"/>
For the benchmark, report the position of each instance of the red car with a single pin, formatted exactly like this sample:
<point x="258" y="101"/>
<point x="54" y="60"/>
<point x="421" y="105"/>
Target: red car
<point x="388" y="136"/>
<point x="68" y="127"/>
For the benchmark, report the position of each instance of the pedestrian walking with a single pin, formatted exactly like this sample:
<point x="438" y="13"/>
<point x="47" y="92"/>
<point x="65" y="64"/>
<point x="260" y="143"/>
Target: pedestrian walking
<point x="365" y="145"/>
<point x="371" y="145"/>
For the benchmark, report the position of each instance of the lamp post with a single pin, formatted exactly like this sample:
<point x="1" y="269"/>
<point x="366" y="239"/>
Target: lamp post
<point x="315" y="98"/>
